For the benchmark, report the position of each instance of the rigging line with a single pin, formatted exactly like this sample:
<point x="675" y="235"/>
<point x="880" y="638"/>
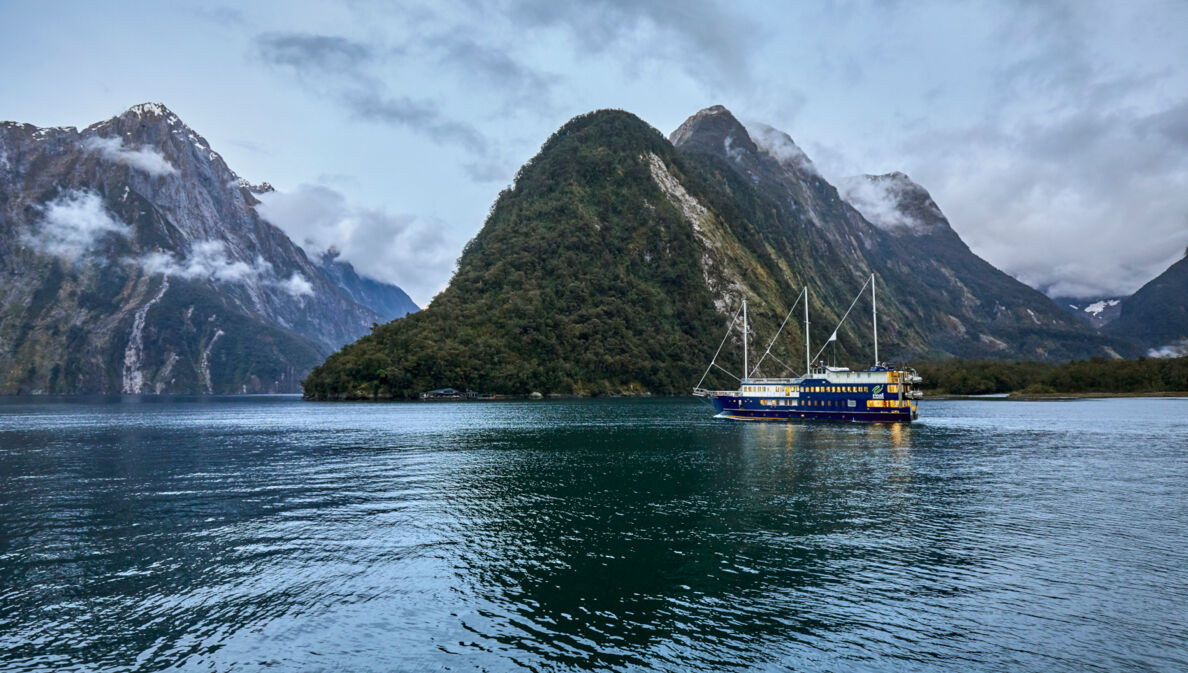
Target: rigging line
<point x="787" y="368"/>
<point x="777" y="334"/>
<point x="843" y="318"/>
<point x="719" y="351"/>
<point x="715" y="364"/>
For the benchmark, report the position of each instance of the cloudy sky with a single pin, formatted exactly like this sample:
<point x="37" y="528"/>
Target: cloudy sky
<point x="1053" y="134"/>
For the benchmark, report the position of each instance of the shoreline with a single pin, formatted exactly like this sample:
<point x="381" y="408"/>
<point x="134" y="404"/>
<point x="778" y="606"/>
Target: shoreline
<point x="1019" y="396"/>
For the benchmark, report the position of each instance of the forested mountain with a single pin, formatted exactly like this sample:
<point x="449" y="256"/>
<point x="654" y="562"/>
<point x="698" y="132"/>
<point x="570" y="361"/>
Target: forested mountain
<point x="616" y="260"/>
<point x="1157" y="315"/>
<point x="134" y="261"/>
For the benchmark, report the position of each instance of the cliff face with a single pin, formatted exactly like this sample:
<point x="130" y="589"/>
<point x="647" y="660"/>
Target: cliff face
<point x="134" y="261"/>
<point x="617" y="259"/>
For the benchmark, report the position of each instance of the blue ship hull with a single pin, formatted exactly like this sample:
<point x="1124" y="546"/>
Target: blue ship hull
<point x="750" y="409"/>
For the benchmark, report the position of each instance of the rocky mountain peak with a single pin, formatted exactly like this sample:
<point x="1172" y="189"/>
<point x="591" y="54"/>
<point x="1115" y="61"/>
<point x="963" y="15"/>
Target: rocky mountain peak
<point x="714" y="130"/>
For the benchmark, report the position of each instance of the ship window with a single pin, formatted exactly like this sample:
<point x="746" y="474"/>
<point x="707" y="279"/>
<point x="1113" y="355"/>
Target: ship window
<point x="893" y="388"/>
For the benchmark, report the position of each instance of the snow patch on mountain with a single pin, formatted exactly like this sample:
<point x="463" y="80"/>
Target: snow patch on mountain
<point x="145" y="159"/>
<point x="1097" y="307"/>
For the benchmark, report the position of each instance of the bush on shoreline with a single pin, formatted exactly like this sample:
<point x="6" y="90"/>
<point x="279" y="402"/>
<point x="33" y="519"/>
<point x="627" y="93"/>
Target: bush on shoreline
<point x="1096" y="375"/>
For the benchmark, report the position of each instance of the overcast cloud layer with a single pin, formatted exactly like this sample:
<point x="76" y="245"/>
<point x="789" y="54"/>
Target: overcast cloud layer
<point x="1054" y="135"/>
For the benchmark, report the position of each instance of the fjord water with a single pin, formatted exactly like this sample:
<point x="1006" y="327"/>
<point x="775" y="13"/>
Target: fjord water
<point x="251" y="533"/>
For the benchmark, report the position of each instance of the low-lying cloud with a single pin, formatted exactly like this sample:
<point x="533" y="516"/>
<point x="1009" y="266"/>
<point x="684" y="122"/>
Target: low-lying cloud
<point x="879" y="201"/>
<point x="1173" y="350"/>
<point x="393" y="248"/>
<point x="781" y="146"/>
<point x="146" y="159"/>
<point x="208" y="260"/>
<point x="344" y="70"/>
<point x="71" y="225"/>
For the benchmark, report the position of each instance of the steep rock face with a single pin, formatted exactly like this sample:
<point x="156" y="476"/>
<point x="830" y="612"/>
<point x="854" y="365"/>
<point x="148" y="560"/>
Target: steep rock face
<point x="387" y="301"/>
<point x="1157" y="315"/>
<point x="134" y="261"/>
<point x="938" y="298"/>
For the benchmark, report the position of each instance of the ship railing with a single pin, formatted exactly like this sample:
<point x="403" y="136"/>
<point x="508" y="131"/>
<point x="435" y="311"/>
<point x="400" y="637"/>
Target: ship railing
<point x="703" y="392"/>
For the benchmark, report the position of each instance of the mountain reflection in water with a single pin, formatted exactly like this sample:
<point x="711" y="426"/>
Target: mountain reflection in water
<point x="147" y="534"/>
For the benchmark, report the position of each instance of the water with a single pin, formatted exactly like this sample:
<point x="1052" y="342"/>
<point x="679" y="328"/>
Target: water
<point x="244" y="534"/>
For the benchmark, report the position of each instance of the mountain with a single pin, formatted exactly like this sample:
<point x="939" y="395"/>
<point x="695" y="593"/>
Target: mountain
<point x="134" y="261"/>
<point x="616" y="260"/>
<point x="387" y="301"/>
<point x="939" y="299"/>
<point x="1096" y="311"/>
<point x="1157" y="315"/>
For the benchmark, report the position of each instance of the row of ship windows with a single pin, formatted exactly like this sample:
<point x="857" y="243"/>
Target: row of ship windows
<point x="835" y="403"/>
<point x="891" y="388"/>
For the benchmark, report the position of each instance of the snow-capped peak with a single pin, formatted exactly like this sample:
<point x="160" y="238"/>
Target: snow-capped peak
<point x="150" y="109"/>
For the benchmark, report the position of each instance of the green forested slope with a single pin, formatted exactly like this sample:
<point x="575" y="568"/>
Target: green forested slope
<point x="585" y="279"/>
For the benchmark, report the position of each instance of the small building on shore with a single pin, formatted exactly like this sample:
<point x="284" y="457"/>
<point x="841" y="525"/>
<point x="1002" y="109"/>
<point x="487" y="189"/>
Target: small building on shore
<point x="449" y="394"/>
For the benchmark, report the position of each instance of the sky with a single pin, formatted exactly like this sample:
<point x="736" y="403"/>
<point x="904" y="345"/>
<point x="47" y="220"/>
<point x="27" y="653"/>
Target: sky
<point x="1053" y="134"/>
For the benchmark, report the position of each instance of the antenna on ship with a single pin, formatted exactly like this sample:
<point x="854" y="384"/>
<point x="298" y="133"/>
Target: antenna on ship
<point x="746" y="371"/>
<point x="874" y="316"/>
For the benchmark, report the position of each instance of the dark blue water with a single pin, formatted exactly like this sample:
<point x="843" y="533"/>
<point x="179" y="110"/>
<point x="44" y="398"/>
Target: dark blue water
<point x="244" y="534"/>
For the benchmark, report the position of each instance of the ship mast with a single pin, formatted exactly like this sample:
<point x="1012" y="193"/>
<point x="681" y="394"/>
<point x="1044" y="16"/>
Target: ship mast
<point x="745" y="369"/>
<point x="874" y="317"/>
<point x="807" y="359"/>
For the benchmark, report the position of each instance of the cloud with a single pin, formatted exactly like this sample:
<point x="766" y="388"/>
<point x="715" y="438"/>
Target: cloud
<point x="146" y="159"/>
<point x="296" y="285"/>
<point x="878" y="200"/>
<point x="1178" y="349"/>
<point x="420" y="115"/>
<point x="208" y="260"/>
<point x="306" y="52"/>
<point x="712" y="45"/>
<point x="342" y="69"/>
<point x="1057" y="200"/>
<point x="494" y="66"/>
<point x="392" y="248"/>
<point x="780" y="145"/>
<point x="72" y="224"/>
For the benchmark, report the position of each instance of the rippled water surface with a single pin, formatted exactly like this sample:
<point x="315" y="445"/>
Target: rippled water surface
<point x="243" y="534"/>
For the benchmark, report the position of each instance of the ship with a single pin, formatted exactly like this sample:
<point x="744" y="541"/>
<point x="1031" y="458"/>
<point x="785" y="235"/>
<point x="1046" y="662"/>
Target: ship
<point x="877" y="394"/>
